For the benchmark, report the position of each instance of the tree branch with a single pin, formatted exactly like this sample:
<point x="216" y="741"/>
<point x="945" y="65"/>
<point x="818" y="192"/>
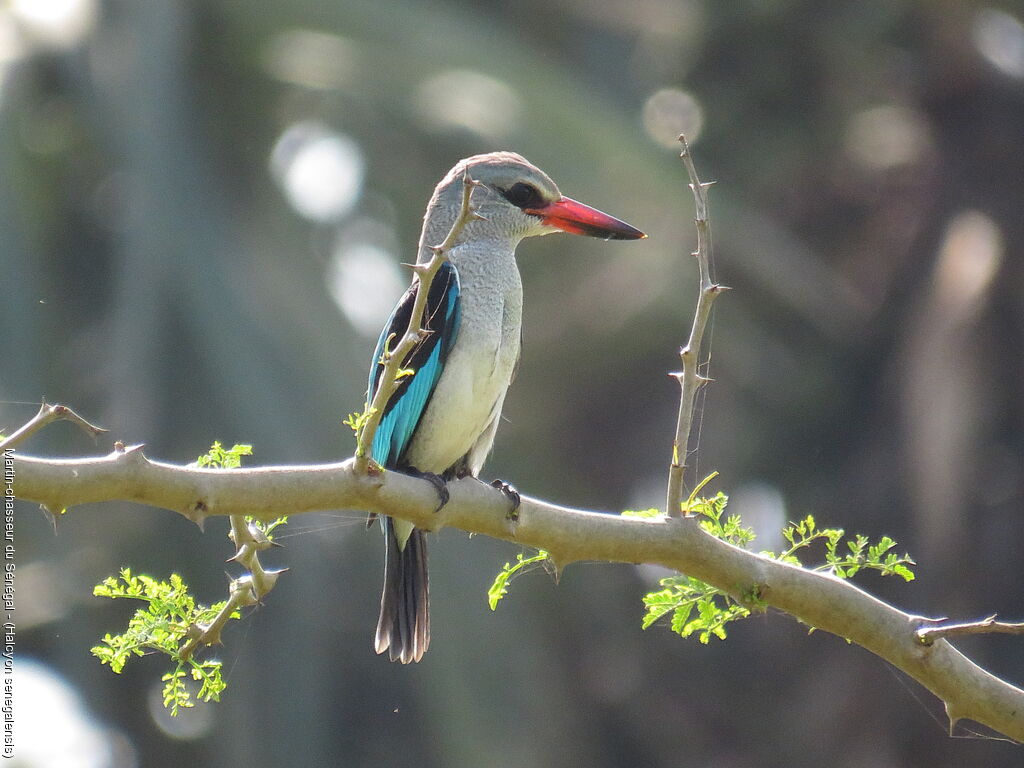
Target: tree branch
<point x="816" y="599"/>
<point x="929" y="634"/>
<point x="689" y="378"/>
<point x="47" y="415"/>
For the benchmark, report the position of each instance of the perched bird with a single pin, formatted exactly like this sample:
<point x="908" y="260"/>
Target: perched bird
<point x="441" y="420"/>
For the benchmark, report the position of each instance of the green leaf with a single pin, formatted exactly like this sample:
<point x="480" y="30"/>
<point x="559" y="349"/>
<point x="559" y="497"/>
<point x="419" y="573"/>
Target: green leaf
<point x="499" y="588"/>
<point x="643" y="513"/>
<point x="218" y="457"/>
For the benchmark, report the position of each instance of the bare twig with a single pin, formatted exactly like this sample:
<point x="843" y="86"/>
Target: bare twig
<point x="689" y="378"/>
<point x="393" y="359"/>
<point x="816" y="599"/>
<point x="47" y="415"/>
<point x="928" y="635"/>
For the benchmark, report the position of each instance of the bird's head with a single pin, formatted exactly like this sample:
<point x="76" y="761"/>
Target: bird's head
<point x="519" y="200"/>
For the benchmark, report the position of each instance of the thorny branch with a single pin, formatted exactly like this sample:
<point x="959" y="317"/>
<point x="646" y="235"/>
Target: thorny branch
<point x="393" y="358"/>
<point x="569" y="535"/>
<point x="929" y="634"/>
<point x="47" y="415"/>
<point x="689" y="378"/>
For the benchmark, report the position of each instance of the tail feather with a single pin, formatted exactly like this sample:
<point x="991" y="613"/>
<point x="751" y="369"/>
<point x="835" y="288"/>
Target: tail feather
<point x="404" y="625"/>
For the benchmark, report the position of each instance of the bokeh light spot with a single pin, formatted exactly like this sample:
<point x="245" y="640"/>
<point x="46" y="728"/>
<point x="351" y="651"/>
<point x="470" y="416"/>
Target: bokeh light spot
<point x="311" y="59"/>
<point x="969" y="259"/>
<point x="52" y="726"/>
<point x="887" y="137"/>
<point x="321" y="172"/>
<point x="670" y="112"/>
<point x="190" y="723"/>
<point x="56" y="23"/>
<point x="463" y="99"/>
<point x="999" y="37"/>
<point x="365" y="282"/>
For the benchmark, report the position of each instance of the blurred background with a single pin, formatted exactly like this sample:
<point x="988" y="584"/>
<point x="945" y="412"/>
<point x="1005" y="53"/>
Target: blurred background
<point x="203" y="207"/>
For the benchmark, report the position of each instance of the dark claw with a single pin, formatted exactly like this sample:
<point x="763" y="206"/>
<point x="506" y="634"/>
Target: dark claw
<point x="439" y="485"/>
<point x="513" y="496"/>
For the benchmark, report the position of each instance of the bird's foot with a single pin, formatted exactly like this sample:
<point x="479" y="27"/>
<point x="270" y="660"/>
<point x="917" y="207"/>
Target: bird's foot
<point x="513" y="497"/>
<point x="439" y="483"/>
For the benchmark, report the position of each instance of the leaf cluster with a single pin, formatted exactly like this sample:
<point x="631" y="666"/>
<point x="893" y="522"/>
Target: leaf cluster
<point x="858" y="554"/>
<point x="162" y="625"/>
<point x="700" y="609"/>
<point x="219" y="457"/>
<point x="696" y="607"/>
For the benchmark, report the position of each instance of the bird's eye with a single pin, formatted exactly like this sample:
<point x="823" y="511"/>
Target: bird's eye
<point x="523" y="195"/>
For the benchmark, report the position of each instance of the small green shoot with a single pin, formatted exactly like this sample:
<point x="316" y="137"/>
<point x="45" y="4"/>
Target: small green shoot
<point x="650" y="514"/>
<point x="499" y="588"/>
<point x="220" y="458"/>
<point x="356" y="421"/>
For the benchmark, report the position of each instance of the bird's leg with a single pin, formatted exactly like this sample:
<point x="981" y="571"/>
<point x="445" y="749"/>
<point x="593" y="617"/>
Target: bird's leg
<point x="439" y="483"/>
<point x="513" y="496"/>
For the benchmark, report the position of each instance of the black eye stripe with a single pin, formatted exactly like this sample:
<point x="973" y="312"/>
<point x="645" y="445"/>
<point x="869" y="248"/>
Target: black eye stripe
<point x="523" y="195"/>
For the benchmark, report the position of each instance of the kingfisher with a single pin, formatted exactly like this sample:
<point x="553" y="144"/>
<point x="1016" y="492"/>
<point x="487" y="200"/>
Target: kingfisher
<point x="441" y="420"/>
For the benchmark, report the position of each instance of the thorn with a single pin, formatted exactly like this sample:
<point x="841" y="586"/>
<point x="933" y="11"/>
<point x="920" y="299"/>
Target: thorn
<point x="270" y="579"/>
<point x="556" y="568"/>
<point x="259" y="537"/>
<point x="953" y="719"/>
<point x="211" y="636"/>
<point x="51" y="516"/>
<point x="197" y="513"/>
<point x="131" y="453"/>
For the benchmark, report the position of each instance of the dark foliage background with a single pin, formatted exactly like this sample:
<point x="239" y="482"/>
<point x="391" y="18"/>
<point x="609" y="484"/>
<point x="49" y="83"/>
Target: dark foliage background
<point x="202" y="206"/>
